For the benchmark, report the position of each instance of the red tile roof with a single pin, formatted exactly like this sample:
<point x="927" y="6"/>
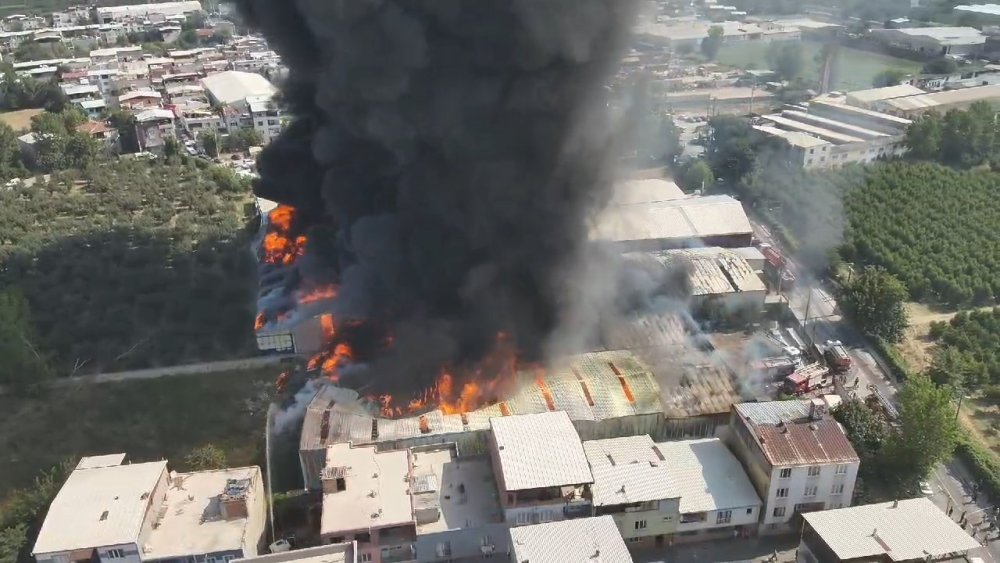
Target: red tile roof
<point x="805" y="443"/>
<point x="93" y="128"/>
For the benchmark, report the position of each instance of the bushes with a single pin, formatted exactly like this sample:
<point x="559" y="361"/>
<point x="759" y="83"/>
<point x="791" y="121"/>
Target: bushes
<point x="897" y="367"/>
<point x="983" y="463"/>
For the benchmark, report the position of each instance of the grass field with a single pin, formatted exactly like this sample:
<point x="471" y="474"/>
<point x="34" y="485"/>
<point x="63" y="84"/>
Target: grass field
<point x="854" y="70"/>
<point x="149" y="420"/>
<point x="19" y="120"/>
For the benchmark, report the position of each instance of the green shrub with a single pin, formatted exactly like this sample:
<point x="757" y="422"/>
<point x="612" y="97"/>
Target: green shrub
<point x="984" y="464"/>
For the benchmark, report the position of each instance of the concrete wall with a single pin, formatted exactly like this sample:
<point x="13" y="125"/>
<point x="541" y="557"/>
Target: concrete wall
<point x="658" y="521"/>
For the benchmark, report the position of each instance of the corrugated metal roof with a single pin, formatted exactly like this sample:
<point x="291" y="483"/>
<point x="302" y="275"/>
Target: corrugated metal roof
<point x="688" y="218"/>
<point x="539" y="450"/>
<point x="627" y="470"/>
<point x="806" y="443"/>
<point x="706" y="476"/>
<point x="773" y="412"/>
<point x="578" y="540"/>
<point x="913" y="529"/>
<point x="885" y="93"/>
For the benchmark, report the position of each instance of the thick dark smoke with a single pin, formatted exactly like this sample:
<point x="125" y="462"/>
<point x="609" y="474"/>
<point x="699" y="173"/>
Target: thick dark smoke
<point x="447" y="155"/>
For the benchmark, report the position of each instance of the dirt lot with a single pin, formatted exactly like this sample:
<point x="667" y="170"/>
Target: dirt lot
<point x="917" y="348"/>
<point x="19" y="120"/>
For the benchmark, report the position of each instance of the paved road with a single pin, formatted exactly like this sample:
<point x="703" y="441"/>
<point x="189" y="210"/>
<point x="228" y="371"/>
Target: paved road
<point x="817" y="309"/>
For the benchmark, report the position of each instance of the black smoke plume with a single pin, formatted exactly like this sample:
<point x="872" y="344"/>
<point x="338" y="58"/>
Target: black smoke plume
<point x="446" y="156"/>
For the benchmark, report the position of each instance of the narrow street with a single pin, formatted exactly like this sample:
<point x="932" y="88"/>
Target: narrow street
<point x="817" y="311"/>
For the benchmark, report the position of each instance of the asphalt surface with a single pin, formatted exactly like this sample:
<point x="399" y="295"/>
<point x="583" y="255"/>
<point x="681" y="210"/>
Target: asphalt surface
<point x="952" y="486"/>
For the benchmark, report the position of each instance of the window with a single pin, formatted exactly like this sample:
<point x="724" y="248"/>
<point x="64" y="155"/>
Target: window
<point x="633" y="540"/>
<point x="272" y="121"/>
<point x="364" y="557"/>
<point x="812" y="151"/>
<point x="640" y="524"/>
<point x="523" y="517"/>
<point x="779" y="511"/>
<point x="724" y="517"/>
<point x="785" y="473"/>
<point x="810" y="491"/>
<point x="841" y="469"/>
<point x="782" y="492"/>
<point x="750" y="510"/>
<point x="837" y="489"/>
<point x="260" y="122"/>
<point x="814" y="471"/>
<point x="114" y="554"/>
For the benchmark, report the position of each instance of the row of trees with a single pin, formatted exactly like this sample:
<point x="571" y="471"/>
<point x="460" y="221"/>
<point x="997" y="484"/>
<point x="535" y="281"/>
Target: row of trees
<point x="130" y="264"/>
<point x="23" y="512"/>
<point x="17" y="92"/>
<point x="958" y="138"/>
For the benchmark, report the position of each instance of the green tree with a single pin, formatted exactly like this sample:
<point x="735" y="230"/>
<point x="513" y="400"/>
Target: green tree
<point x="13" y="540"/>
<point x="205" y="457"/>
<point x="866" y="431"/>
<point x="942" y="65"/>
<point x="241" y="140"/>
<point x="928" y="431"/>
<point x="874" y="298"/>
<point x="25" y="364"/>
<point x="125" y="123"/>
<point x="923" y="136"/>
<point x="888" y="77"/>
<point x="210" y="142"/>
<point x="11" y="165"/>
<point x="710" y="45"/>
<point x="697" y="175"/>
<point x="171" y="148"/>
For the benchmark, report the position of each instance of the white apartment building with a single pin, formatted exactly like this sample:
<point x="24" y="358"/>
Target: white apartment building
<point x="797" y="456"/>
<point x="717" y="500"/>
<point x="541" y="468"/>
<point x="632" y="484"/>
<point x="266" y="117"/>
<point x="114" y="512"/>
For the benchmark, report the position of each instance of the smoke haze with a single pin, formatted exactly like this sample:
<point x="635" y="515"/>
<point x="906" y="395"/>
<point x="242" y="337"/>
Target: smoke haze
<point x="445" y="158"/>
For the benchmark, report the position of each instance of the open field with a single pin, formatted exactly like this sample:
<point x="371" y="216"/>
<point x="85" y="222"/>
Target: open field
<point x="917" y="347"/>
<point x="149" y="420"/>
<point x="19" y="120"/>
<point x="854" y="70"/>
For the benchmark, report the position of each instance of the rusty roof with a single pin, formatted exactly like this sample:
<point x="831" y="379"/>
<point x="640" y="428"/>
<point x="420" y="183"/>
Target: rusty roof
<point x="805" y="443"/>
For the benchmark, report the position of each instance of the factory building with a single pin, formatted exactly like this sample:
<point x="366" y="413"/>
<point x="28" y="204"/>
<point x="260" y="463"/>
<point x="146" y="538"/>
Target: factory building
<point x="655" y="35"/>
<point x="159" y="11"/>
<point x="797" y="456"/>
<point x="717" y="220"/>
<point x="232" y="88"/>
<point x="663" y="387"/>
<point x="829" y="132"/>
<point x="941" y="102"/>
<point x="933" y="41"/>
<point x="721" y="284"/>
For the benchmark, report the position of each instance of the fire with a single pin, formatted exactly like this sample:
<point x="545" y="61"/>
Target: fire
<point x="319" y="293"/>
<point x="282" y="381"/>
<point x="259" y="322"/>
<point x="336" y="355"/>
<point x="279" y="246"/>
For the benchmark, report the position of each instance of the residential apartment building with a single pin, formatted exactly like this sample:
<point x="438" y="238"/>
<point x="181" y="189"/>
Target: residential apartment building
<point x="266" y="117"/>
<point x="797" y="457"/>
<point x="593" y="540"/>
<point x="417" y="505"/>
<point x="541" y="468"/>
<point x="717" y="500"/>
<point x="633" y="486"/>
<point x="113" y="512"/>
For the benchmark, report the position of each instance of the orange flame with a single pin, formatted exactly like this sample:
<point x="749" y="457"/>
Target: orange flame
<point x="318" y="293"/>
<point x="279" y="247"/>
<point x="259" y="322"/>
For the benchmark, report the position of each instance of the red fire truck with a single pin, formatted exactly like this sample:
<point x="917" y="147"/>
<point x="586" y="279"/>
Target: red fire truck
<point x="836" y="355"/>
<point x="804" y="380"/>
<point x="776" y="268"/>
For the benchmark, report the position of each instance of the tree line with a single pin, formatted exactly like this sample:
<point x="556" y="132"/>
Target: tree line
<point x="957" y="138"/>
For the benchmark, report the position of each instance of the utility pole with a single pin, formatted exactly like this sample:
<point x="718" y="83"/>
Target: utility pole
<point x="806" y="319"/>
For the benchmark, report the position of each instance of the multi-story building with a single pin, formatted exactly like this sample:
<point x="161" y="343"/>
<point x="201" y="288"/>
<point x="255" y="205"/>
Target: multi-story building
<point x="632" y="484"/>
<point x="717" y="500"/>
<point x="154" y="126"/>
<point x="543" y="475"/>
<point x="421" y="505"/>
<point x="113" y="512"/>
<point x="797" y="457"/>
<point x="153" y="12"/>
<point x="266" y="117"/>
<point x="73" y="15"/>
<point x="140" y="99"/>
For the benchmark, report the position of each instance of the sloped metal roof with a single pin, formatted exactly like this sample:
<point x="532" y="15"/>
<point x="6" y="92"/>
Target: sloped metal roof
<point x="539" y="450"/>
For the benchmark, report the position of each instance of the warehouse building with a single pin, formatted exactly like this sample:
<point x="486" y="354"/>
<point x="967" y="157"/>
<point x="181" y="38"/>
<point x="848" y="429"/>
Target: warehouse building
<point x="912" y="530"/>
<point x="691" y="33"/>
<point x="232" y="88"/>
<point x="941" y="102"/>
<point x="933" y="41"/>
<point x="867" y="99"/>
<point x="717" y="220"/>
<point x="829" y="132"/>
<point x="154" y="12"/>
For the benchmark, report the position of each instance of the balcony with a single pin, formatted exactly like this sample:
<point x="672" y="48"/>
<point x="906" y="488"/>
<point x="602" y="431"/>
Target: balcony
<point x="398" y="553"/>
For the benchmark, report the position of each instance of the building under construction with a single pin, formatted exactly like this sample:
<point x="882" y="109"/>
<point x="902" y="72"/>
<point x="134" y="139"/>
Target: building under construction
<point x="651" y="380"/>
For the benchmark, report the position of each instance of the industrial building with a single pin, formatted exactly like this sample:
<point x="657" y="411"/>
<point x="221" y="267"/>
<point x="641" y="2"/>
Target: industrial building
<point x="941" y="102"/>
<point x="868" y="99"/>
<point x="721" y="284"/>
<point x="691" y="33"/>
<point x="155" y="12"/>
<point x="584" y="539"/>
<point x="716" y="220"/>
<point x="797" y="456"/>
<point x="108" y="510"/>
<point x="828" y="132"/>
<point x="933" y="41"/>
<point x="664" y="388"/>
<point x="903" y="531"/>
